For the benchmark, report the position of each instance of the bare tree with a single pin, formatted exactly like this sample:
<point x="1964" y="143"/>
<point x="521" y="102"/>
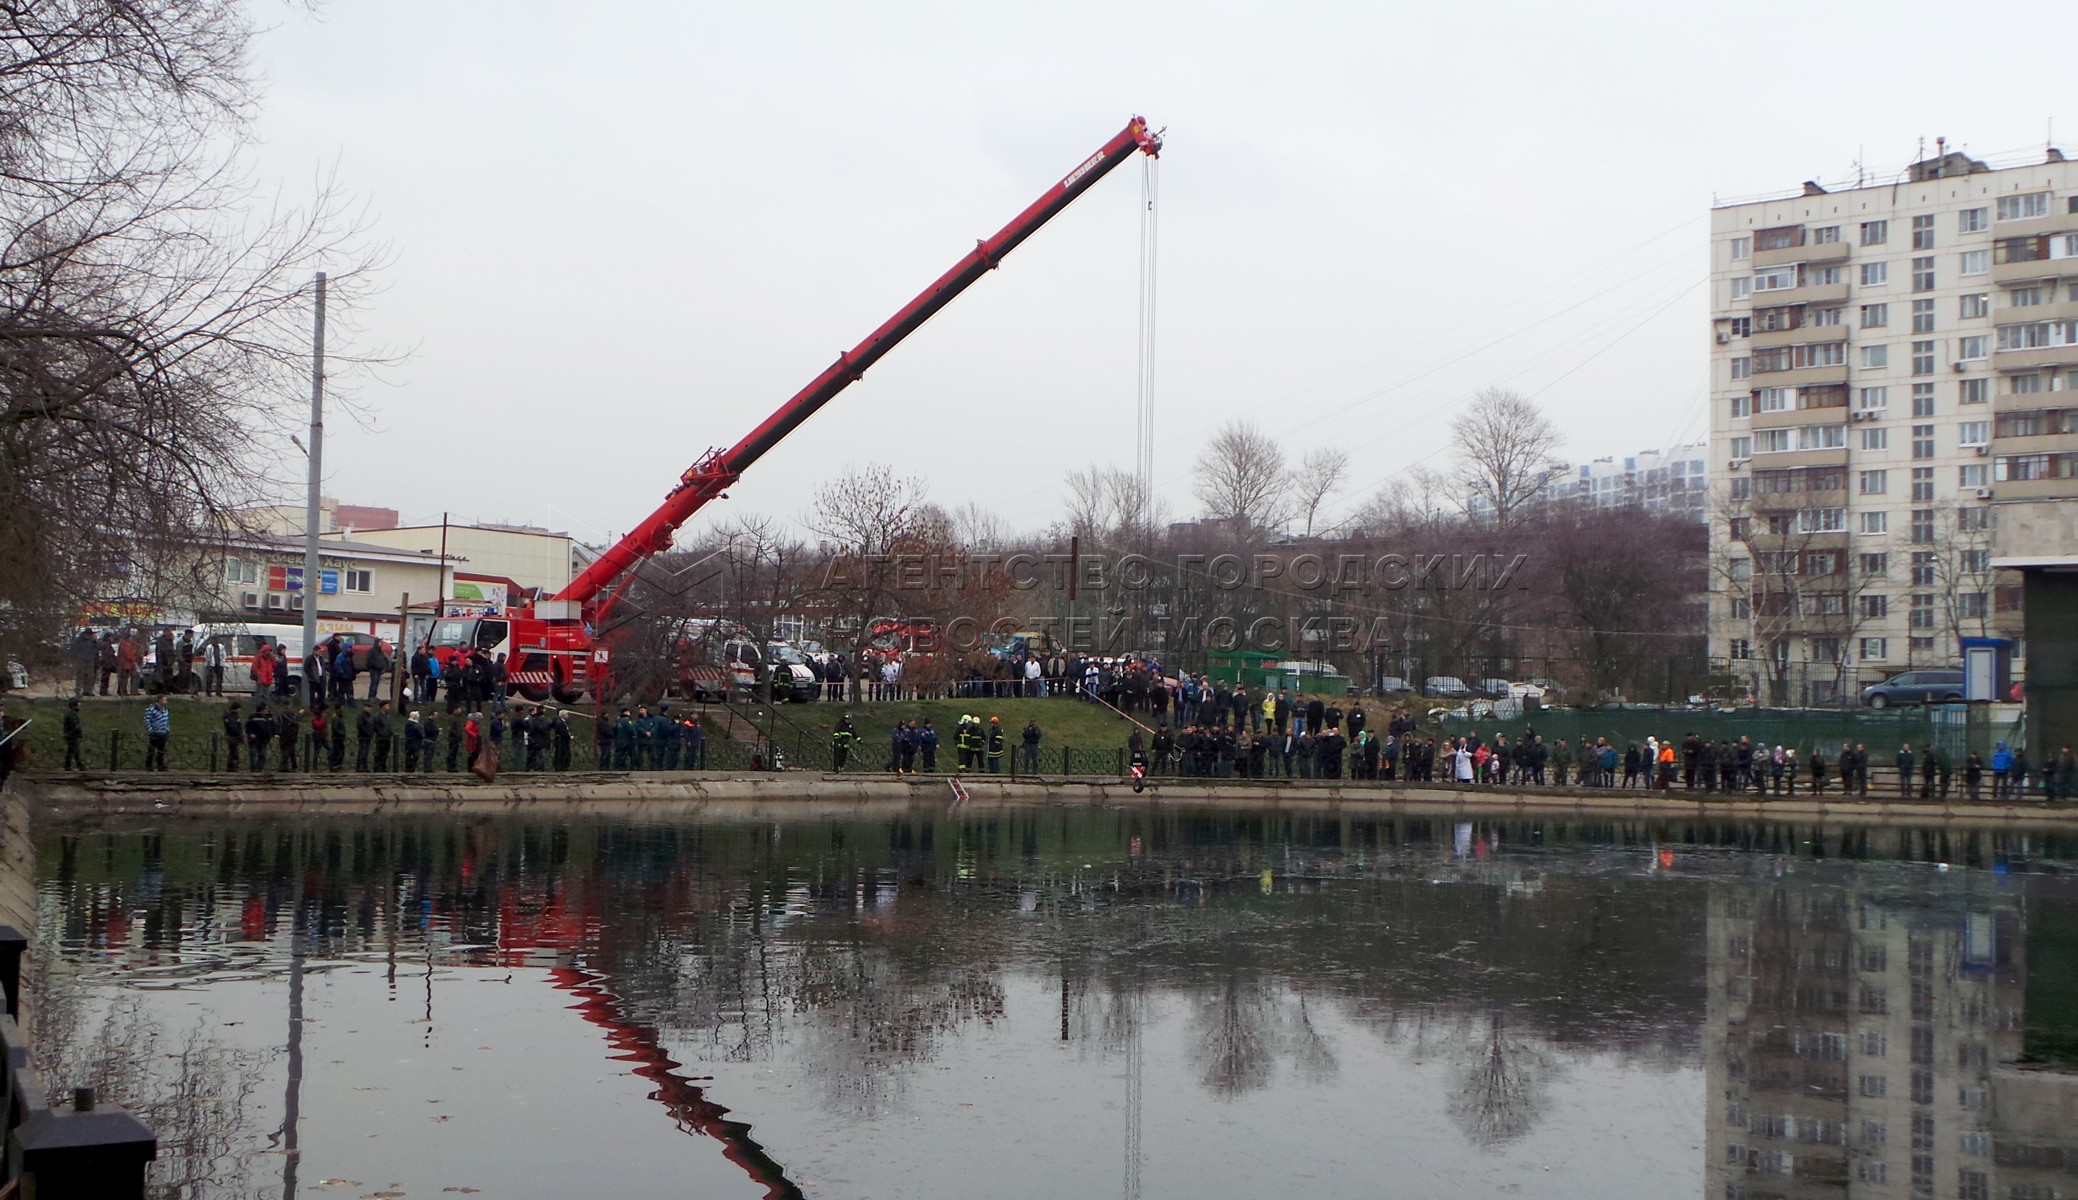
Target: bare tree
<point x="1409" y="503"/>
<point x="977" y="528"/>
<point x="1321" y="474"/>
<point x="154" y="308"/>
<point x="1241" y="477"/>
<point x="1110" y="503"/>
<point x="866" y="518"/>
<point x="1504" y="447"/>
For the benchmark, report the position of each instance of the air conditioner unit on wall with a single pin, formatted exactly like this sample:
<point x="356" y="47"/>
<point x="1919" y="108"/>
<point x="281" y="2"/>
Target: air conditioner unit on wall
<point x="1724" y="337"/>
<point x="249" y="599"/>
<point x="296" y="602"/>
<point x="1983" y="450"/>
<point x="1984" y="493"/>
<point x="1960" y="366"/>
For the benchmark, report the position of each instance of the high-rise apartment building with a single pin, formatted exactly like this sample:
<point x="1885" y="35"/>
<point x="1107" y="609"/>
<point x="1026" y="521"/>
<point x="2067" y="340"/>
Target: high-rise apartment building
<point x="1671" y="481"/>
<point x="1891" y="367"/>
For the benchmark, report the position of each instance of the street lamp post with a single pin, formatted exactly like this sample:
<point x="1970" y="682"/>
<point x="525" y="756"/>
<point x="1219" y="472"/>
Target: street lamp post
<point x="313" y="688"/>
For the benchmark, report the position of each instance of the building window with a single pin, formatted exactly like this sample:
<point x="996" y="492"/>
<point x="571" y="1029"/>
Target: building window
<point x="1742" y="246"/>
<point x="1975" y="519"/>
<point x="1976" y="304"/>
<point x="1922" y="485"/>
<point x="1923" y="232"/>
<point x="1821" y="437"/>
<point x="1922" y="526"/>
<point x="1973" y="433"/>
<point x="1922" y="568"/>
<point x="1822" y="520"/>
<point x="1873" y="1085"/>
<point x="1923" y="274"/>
<point x="1875" y="439"/>
<point x="1875" y="483"/>
<point x="1973" y="347"/>
<point x="1875" y="522"/>
<point x="1741" y="648"/>
<point x="241" y="572"/>
<point x="1922" y="316"/>
<point x="1742" y="405"/>
<point x="1823" y="277"/>
<point x="1875" y="233"/>
<point x="1740" y="568"/>
<point x="2019" y="208"/>
<point x="1875" y="316"/>
<point x="1922" y="441"/>
<point x="1972" y="220"/>
<point x="1742" y="326"/>
<point x="358" y="582"/>
<point x="1818" y="354"/>
<point x="1742" y="608"/>
<point x="1976" y="262"/>
<point x="1875" y="565"/>
<point x="1874" y="649"/>
<point x="1873" y="608"/>
<point x="1875" y="399"/>
<point x="2024" y="297"/>
<point x="1973" y="606"/>
<point x="1974" y="562"/>
<point x="1742" y="367"/>
<point x="1742" y="447"/>
<point x="1742" y="287"/>
<point x="1922" y="358"/>
<point x="1825" y="235"/>
<point x="1775" y="279"/>
<point x="1875" y="358"/>
<point x="1922" y="610"/>
<point x="1973" y="391"/>
<point x="1974" y="476"/>
<point x="1773" y="399"/>
<point x="1922" y="399"/>
<point x="1875" y="274"/>
<point x="1743" y="488"/>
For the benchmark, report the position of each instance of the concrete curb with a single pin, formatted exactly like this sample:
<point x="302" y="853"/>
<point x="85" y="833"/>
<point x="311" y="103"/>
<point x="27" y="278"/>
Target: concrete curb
<point x="86" y="797"/>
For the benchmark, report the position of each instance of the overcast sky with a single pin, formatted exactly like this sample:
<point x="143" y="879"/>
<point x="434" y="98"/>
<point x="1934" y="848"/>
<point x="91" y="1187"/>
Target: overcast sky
<point x="626" y="232"/>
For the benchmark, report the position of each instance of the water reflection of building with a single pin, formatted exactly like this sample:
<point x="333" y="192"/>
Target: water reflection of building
<point x="1856" y="1044"/>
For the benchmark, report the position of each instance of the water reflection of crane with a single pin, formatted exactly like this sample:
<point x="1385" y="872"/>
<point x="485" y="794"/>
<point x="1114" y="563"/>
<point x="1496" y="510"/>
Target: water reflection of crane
<point x="639" y="1043"/>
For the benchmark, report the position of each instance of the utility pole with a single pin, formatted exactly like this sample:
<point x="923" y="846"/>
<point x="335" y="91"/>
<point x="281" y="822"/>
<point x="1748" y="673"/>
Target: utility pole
<point x="312" y="688"/>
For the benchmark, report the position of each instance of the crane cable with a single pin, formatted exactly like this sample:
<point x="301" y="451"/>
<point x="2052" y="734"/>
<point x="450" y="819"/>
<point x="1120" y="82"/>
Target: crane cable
<point x="1150" y="221"/>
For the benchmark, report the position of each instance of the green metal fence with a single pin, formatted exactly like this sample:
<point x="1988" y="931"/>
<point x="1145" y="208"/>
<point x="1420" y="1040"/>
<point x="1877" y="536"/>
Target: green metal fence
<point x="1956" y="728"/>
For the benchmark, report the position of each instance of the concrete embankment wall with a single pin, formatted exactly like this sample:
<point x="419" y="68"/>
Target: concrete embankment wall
<point x="796" y="794"/>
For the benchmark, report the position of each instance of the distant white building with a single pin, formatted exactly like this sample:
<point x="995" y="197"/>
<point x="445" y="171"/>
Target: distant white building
<point x="1674" y="480"/>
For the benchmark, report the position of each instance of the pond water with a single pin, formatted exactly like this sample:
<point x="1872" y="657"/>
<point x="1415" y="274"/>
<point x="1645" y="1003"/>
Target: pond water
<point x="1070" y="1003"/>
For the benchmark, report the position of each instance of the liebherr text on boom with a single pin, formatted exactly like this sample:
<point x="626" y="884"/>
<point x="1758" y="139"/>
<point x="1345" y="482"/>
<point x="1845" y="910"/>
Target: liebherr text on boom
<point x="548" y="646"/>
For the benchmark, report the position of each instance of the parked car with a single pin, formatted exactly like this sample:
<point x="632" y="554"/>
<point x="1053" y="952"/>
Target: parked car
<point x="1549" y="690"/>
<point x="1915" y="687"/>
<point x="1393" y="683"/>
<point x="1493" y="689"/>
<point x="1525" y="690"/>
<point x="1445" y="687"/>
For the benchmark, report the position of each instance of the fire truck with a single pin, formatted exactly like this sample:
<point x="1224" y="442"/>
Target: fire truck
<point x="558" y="647"/>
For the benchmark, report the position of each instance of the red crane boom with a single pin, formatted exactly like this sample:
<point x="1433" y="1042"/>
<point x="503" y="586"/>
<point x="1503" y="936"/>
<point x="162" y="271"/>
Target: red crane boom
<point x="708" y="478"/>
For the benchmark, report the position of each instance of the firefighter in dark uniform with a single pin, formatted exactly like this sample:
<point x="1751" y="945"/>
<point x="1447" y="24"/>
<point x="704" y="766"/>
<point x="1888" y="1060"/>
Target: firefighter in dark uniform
<point x="995" y="745"/>
<point x="842" y="739"/>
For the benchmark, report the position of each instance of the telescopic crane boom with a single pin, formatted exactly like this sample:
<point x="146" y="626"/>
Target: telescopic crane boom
<point x="715" y="472"/>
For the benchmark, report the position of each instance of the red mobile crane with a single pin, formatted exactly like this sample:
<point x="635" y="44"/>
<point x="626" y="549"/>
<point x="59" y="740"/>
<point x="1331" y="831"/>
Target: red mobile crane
<point x="549" y="645"/>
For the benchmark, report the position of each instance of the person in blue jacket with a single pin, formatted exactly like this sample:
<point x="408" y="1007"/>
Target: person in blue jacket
<point x="2001" y="770"/>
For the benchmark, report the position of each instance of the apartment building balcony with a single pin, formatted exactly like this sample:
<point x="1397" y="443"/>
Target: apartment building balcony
<point x="2062" y="310"/>
<point x="2048" y="443"/>
<point x="1784" y="459"/>
<point x="2034" y="359"/>
<point x="1795" y="417"/>
<point x="2030" y="270"/>
<point x="2034" y="489"/>
<point x="2054" y="223"/>
<point x="1773" y="502"/>
<point x="1813" y="293"/>
<point x="1818" y="253"/>
<point x="1768" y="339"/>
<point x="1802" y="377"/>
